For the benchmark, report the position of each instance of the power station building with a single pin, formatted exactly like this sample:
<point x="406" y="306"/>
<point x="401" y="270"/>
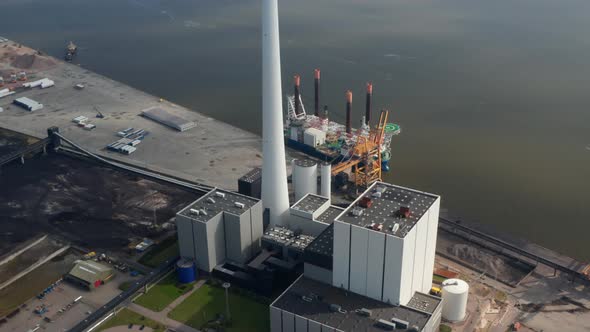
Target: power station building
<point x="312" y="306"/>
<point x="367" y="267"/>
<point x="384" y="243"/>
<point x="370" y="269"/>
<point x="220" y="226"/>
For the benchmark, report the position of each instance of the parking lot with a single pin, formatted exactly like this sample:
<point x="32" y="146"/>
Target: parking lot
<point x="63" y="311"/>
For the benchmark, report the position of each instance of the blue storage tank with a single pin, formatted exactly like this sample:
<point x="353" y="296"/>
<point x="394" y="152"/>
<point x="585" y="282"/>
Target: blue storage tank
<point x="186" y="271"/>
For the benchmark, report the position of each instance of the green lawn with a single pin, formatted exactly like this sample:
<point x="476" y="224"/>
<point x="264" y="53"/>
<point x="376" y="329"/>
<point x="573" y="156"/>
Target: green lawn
<point x="162" y="251"/>
<point x="438" y="279"/>
<point x="205" y="303"/>
<point x="126" y="317"/>
<point x="445" y="328"/>
<point x="163" y="293"/>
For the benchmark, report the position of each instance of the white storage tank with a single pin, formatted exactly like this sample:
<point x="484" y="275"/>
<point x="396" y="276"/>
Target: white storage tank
<point x="454" y="294"/>
<point x="326" y="180"/>
<point x="305" y="177"/>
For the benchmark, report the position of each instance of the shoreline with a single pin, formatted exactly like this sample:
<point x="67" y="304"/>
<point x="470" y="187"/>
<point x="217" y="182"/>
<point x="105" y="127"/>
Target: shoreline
<point x="223" y="152"/>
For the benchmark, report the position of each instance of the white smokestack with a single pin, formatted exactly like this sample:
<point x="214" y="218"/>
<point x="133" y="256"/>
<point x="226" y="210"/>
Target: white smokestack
<point x="275" y="193"/>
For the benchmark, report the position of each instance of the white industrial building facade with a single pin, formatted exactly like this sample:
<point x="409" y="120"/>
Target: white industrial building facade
<point x="384" y="265"/>
<point x="370" y="269"/>
<point x="220" y="226"/>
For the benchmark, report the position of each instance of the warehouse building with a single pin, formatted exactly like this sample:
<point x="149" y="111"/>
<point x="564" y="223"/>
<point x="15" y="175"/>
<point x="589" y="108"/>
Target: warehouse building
<point x="89" y="274"/>
<point x="384" y="243"/>
<point x="313" y="306"/>
<point x="28" y="104"/>
<point x="168" y="119"/>
<point x="220" y="226"/>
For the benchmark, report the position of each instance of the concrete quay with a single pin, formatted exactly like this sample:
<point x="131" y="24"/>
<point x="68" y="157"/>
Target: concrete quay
<point x="213" y="153"/>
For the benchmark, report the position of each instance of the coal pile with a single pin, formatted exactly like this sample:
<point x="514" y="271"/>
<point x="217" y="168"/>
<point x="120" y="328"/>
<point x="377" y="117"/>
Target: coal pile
<point x="11" y="141"/>
<point x="88" y="204"/>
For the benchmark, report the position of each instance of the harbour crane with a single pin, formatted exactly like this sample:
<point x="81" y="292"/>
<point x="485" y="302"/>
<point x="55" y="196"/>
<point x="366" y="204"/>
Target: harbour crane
<point x="365" y="156"/>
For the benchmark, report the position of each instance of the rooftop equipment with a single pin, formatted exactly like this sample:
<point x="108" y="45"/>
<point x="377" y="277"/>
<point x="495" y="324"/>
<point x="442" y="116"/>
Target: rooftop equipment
<point x="385" y="325"/>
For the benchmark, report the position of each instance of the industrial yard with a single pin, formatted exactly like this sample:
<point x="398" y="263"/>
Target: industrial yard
<point x="212" y="153"/>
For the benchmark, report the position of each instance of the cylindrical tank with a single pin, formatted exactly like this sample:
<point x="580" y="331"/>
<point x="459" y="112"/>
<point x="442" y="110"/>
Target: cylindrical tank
<point x="186" y="271"/>
<point x="454" y="294"/>
<point x="305" y="177"/>
<point x="326" y="181"/>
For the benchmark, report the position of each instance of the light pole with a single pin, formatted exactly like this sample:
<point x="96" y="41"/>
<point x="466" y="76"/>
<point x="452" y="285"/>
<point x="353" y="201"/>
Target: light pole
<point x="226" y="286"/>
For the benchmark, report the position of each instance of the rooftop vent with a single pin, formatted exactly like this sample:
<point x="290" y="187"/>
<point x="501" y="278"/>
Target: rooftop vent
<point x="404" y="212"/>
<point x="337" y="308"/>
<point x="400" y="323"/>
<point x="395" y="227"/>
<point x="210" y="200"/>
<point x="385" y="325"/>
<point x="381" y="189"/>
<point x="239" y="205"/>
<point x="357" y="211"/>
<point x="306" y="299"/>
<point x="203" y="212"/>
<point x="365" y="312"/>
<point x="220" y="194"/>
<point x="195" y="211"/>
<point x="366" y="202"/>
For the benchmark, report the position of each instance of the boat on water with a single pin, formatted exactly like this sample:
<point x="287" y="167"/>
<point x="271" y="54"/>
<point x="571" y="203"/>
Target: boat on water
<point x="71" y="49"/>
<point x="327" y="140"/>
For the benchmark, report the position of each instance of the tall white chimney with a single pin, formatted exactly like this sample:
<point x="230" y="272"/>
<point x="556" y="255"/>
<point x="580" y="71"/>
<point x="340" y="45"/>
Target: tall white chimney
<point x="275" y="193"/>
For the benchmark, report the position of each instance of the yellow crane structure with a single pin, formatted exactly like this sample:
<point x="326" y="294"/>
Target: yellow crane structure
<point x="365" y="161"/>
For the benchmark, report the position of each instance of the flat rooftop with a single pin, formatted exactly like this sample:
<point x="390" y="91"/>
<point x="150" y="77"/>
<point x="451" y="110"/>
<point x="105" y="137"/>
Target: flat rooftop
<point x="330" y="214"/>
<point x="310" y="203"/>
<point x="217" y="201"/>
<point x="320" y="251"/>
<point x="386" y="200"/>
<point x="323" y="243"/>
<point x="347" y="319"/>
<point x="424" y="302"/>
